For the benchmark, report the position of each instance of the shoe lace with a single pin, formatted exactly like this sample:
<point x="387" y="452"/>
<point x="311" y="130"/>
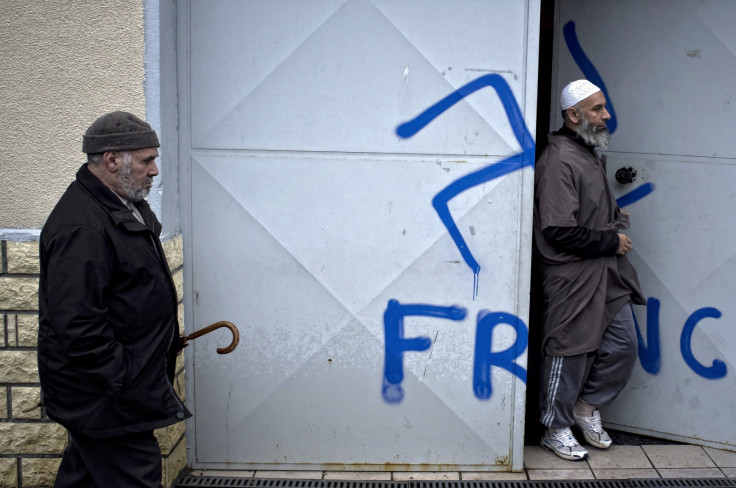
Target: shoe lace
<point x="566" y="438"/>
<point x="595" y="423"/>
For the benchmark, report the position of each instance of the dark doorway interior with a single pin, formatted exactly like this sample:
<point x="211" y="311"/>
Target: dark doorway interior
<point x="533" y="429"/>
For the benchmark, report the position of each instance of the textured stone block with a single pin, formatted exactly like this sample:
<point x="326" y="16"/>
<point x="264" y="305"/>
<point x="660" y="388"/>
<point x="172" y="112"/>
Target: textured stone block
<point x="180" y="317"/>
<point x="179" y="282"/>
<point x="3" y="339"/>
<point x="26" y="398"/>
<point x="3" y="403"/>
<point x="169" y="436"/>
<point x="11" y="333"/>
<point x="18" y="293"/>
<point x="22" y="330"/>
<point x="173" y="464"/>
<point x="18" y="367"/>
<point x="8" y="473"/>
<point x="32" y="438"/>
<point x="27" y="330"/>
<point x="22" y="257"/>
<point x="39" y="472"/>
<point x="174" y="250"/>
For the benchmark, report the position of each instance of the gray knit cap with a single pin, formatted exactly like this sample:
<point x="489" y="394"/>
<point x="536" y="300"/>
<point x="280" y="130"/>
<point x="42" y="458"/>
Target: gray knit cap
<point x="118" y="131"/>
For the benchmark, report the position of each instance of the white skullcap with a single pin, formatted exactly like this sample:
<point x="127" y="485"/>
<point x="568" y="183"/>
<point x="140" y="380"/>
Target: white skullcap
<point x="575" y="92"/>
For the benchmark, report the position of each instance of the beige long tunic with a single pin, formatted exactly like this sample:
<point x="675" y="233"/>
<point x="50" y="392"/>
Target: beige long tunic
<point x="582" y="296"/>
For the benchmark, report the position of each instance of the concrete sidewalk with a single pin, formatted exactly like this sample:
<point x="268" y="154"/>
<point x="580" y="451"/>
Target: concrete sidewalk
<point x="618" y="462"/>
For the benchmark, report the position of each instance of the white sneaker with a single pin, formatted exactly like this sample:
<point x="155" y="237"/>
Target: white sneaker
<point x="564" y="444"/>
<point x="593" y="430"/>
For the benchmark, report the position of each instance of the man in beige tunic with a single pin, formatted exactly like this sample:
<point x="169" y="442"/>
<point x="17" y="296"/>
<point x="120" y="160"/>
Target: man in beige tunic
<point x="589" y="283"/>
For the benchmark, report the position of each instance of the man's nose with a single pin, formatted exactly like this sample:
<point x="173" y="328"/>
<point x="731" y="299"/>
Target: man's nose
<point x="606" y="115"/>
<point x="153" y="170"/>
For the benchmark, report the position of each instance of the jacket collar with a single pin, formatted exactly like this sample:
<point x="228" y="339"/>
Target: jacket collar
<point x="119" y="213"/>
<point x="571" y="134"/>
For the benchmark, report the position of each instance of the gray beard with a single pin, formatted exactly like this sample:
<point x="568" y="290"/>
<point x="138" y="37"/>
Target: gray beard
<point x="591" y="136"/>
<point x="129" y="191"/>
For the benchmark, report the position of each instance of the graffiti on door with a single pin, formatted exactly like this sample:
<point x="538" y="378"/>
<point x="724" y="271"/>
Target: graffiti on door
<point x="496" y="170"/>
<point x="649" y="352"/>
<point x="396" y="344"/>
<point x="484" y="359"/>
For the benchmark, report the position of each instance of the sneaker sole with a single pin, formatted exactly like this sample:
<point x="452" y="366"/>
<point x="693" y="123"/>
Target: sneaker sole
<point x="590" y="440"/>
<point x="595" y="443"/>
<point x="566" y="457"/>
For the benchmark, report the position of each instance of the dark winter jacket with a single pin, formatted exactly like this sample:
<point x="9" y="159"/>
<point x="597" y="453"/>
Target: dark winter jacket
<point x="108" y="333"/>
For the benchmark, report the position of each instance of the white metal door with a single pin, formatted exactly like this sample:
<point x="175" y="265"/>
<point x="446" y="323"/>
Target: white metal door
<point x="359" y="185"/>
<point x="669" y="68"/>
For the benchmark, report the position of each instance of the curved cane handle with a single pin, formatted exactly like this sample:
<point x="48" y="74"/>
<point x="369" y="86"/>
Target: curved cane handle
<point x="210" y="328"/>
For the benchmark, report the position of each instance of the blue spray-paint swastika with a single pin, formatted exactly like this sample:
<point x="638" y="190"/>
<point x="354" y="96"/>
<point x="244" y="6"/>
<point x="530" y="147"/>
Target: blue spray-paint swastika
<point x="496" y="170"/>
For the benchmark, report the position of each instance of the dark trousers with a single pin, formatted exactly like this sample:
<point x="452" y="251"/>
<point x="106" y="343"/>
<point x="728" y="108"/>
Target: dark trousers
<point x="132" y="460"/>
<point x="564" y="377"/>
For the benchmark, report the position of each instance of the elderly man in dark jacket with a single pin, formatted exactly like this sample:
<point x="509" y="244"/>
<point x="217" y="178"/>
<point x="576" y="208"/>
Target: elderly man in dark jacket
<point x="108" y="332"/>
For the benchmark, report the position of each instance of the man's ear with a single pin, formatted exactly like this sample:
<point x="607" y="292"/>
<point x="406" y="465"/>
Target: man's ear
<point x="111" y="160"/>
<point x="573" y="114"/>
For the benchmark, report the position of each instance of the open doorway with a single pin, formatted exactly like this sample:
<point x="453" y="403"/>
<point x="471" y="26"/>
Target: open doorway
<point x="658" y="62"/>
<point x="533" y="429"/>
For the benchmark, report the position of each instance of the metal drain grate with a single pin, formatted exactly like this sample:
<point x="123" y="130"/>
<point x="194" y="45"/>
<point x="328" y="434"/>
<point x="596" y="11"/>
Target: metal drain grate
<point x="205" y="481"/>
<point x="192" y="481"/>
<point x="519" y="484"/>
<point x="683" y="483"/>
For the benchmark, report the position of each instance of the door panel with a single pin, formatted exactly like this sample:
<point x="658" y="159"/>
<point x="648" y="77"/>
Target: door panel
<point x="668" y="69"/>
<point x="312" y="227"/>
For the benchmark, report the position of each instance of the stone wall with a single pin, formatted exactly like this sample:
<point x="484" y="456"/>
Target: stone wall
<point x="31" y="446"/>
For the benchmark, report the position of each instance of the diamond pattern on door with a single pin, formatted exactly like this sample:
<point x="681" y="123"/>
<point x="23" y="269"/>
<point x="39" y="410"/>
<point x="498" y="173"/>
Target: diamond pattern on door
<point x="309" y="214"/>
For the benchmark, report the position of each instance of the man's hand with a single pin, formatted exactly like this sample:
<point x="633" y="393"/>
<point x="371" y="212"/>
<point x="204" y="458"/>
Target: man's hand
<point x="624" y="244"/>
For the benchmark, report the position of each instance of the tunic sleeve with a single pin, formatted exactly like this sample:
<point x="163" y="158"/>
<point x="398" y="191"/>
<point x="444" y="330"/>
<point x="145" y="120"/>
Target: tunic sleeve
<point x="583" y="242"/>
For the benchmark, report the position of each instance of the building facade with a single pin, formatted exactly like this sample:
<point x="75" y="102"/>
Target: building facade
<point x="349" y="181"/>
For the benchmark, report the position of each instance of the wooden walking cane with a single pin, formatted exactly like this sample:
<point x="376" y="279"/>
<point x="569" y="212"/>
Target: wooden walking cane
<point x="206" y="330"/>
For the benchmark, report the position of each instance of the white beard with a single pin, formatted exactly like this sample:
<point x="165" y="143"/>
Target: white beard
<point x="592" y="136"/>
<point x="129" y="191"/>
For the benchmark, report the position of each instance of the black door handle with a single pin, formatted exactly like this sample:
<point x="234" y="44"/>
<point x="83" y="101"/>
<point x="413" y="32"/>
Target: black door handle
<point x="625" y="175"/>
